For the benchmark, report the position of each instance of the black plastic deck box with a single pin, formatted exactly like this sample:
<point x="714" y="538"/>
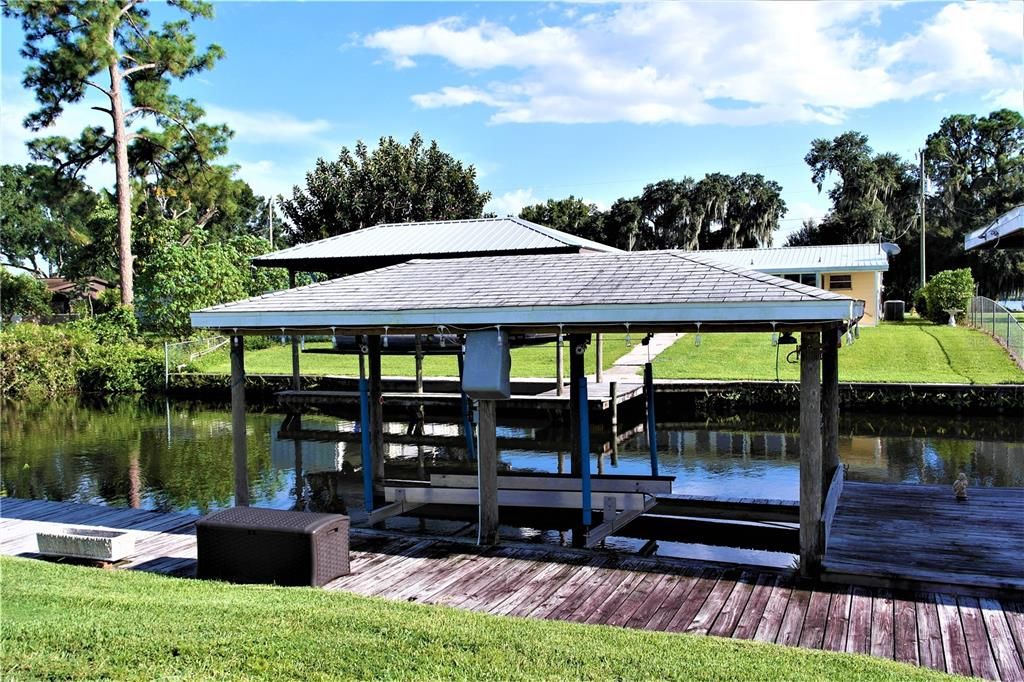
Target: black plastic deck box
<point x="253" y="545"/>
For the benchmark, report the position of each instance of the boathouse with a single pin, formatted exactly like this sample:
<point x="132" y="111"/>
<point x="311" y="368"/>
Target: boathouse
<point x="578" y="295"/>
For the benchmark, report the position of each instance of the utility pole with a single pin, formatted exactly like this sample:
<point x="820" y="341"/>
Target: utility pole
<point x="270" y="220"/>
<point x="923" y="275"/>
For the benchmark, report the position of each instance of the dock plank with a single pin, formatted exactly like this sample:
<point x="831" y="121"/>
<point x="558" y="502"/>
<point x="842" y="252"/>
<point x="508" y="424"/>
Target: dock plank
<point x="882" y="614"/>
<point x="1008" y="660"/>
<point x="983" y="662"/>
<point x="954" y="644"/>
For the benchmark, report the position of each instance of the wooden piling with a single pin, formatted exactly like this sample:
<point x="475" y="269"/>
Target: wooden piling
<point x="487" y="473"/>
<point x="811" y="497"/>
<point x="598" y="358"/>
<point x="559" y="368"/>
<point x="296" y="375"/>
<point x="829" y="403"/>
<point x="376" y="409"/>
<point x="239" y="444"/>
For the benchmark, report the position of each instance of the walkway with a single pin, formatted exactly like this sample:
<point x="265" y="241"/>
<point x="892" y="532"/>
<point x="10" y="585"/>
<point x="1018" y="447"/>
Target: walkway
<point x="945" y="631"/>
<point x="627" y="368"/>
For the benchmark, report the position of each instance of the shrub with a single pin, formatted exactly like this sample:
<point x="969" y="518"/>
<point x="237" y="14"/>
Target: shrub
<point x="87" y="357"/>
<point x="920" y="302"/>
<point x="118" y="325"/>
<point x="38" y="361"/>
<point x="120" y="368"/>
<point x="22" y="295"/>
<point x="948" y="290"/>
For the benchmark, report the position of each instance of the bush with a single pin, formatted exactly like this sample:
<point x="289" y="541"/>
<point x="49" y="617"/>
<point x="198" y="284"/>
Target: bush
<point x="22" y="295"/>
<point x="920" y="302"/>
<point x="83" y="357"/>
<point x="948" y="290"/>
<point x="38" y="361"/>
<point x="119" y="325"/>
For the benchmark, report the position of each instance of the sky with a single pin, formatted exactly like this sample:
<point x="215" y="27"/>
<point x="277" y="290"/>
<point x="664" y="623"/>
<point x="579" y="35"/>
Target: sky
<point x="593" y="100"/>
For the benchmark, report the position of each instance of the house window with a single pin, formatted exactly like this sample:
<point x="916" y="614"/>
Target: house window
<point x="807" y="278"/>
<point x="840" y="282"/>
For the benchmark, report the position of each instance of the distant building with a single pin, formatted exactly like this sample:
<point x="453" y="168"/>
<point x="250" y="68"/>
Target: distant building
<point x="854" y="270"/>
<point x="65" y="292"/>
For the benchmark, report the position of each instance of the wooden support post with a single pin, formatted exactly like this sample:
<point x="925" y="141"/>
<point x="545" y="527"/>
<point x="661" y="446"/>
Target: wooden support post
<point x="296" y="377"/>
<point x="299" y="486"/>
<point x="829" y="403"/>
<point x="559" y="369"/>
<point x="419" y="364"/>
<point x="810" y="454"/>
<point x="487" y="474"/>
<point x="652" y="431"/>
<point x="577" y="370"/>
<point x="598" y="358"/>
<point x="365" y="427"/>
<point x="584" y="445"/>
<point x="467" y="416"/>
<point x="376" y="409"/>
<point x="239" y="445"/>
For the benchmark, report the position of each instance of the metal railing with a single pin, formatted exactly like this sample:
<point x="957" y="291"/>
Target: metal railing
<point x="987" y="315"/>
<point x="181" y="353"/>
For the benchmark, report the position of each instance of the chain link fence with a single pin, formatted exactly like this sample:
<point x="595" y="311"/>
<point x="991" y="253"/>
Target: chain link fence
<point x="989" y="316"/>
<point x="180" y="354"/>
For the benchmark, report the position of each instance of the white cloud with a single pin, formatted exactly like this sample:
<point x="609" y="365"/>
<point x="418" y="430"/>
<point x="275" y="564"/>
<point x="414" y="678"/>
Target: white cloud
<point x="732" y="63"/>
<point x="267" y="126"/>
<point x="511" y="203"/>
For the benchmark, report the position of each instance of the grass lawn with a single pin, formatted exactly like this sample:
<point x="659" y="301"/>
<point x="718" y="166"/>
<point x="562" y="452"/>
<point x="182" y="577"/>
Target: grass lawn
<point x="912" y="351"/>
<point x="533" y="361"/>
<point x="72" y="622"/>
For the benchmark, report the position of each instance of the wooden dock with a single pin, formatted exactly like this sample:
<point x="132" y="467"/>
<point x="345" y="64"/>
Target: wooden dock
<point x="944" y="630"/>
<point x="919" y="535"/>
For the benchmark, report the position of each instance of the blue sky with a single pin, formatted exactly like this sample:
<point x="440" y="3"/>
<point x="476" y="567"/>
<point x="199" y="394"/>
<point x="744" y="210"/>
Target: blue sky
<point x="594" y="100"/>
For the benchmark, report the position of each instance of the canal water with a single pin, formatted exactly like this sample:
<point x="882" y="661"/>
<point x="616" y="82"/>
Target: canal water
<point x="176" y="456"/>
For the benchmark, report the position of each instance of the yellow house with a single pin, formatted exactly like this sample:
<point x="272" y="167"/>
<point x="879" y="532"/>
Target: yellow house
<point x="853" y="270"/>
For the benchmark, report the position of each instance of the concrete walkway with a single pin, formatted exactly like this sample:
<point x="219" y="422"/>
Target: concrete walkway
<point x="627" y="367"/>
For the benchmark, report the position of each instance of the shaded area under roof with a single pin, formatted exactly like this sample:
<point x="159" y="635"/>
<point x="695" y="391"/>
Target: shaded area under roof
<point x="1005" y="232"/>
<point x="648" y="289"/>
<point x="392" y="243"/>
<point x="797" y="259"/>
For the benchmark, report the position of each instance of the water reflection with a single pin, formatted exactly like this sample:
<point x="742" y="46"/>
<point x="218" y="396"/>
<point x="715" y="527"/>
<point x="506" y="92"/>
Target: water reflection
<point x="177" y="455"/>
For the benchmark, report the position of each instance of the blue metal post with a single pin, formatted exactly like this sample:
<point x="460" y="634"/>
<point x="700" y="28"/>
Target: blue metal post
<point x="652" y="433"/>
<point x="584" y="423"/>
<point x="467" y="423"/>
<point x="364" y="428"/>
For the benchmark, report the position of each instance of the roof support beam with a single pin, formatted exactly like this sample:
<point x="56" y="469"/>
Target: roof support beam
<point x="296" y="378"/>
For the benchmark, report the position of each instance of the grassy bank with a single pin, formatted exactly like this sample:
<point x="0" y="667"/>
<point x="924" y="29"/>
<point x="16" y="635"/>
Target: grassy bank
<point x="912" y="352"/>
<point x="534" y="361"/>
<point x="63" y="621"/>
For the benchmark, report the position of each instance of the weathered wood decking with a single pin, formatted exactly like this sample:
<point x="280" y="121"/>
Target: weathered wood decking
<point x="899" y="535"/>
<point x="956" y="633"/>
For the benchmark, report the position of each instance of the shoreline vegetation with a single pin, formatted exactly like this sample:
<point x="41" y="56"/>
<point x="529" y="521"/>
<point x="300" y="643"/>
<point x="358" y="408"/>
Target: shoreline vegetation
<point x="77" y="622"/>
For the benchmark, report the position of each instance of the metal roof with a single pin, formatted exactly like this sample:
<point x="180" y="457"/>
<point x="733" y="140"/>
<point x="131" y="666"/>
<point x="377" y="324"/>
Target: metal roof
<point x="433" y="239"/>
<point x="1005" y="232"/>
<point x="655" y="287"/>
<point x="796" y="259"/>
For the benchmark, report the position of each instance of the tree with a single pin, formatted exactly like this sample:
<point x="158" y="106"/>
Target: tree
<point x="179" y="277"/>
<point x="43" y="218"/>
<point x="977" y="167"/>
<point x="75" y="43"/>
<point x="23" y="295"/>
<point x="571" y="215"/>
<point x="393" y="183"/>
<point x="874" y="196"/>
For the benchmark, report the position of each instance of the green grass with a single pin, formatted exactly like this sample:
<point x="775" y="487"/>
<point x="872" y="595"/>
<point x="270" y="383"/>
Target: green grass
<point x="72" y="622"/>
<point x="913" y="351"/>
<point x="533" y="361"/>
